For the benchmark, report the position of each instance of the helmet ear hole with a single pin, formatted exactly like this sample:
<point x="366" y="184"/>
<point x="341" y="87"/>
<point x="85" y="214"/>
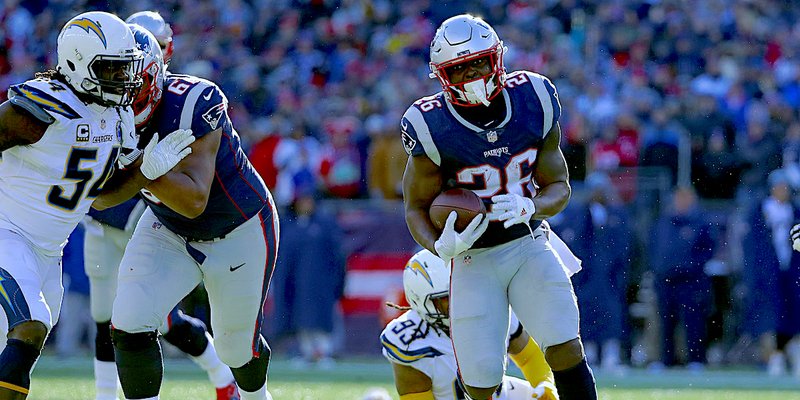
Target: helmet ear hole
<point x="71" y="65"/>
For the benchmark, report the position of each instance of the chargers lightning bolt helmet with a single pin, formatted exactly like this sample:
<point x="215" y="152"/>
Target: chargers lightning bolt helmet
<point x="152" y="75"/>
<point x="460" y="40"/>
<point x="426" y="279"/>
<point x="98" y="56"/>
<point x="154" y="22"/>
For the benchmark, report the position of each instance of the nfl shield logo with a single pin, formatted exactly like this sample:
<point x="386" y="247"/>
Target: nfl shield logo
<point x="491" y="136"/>
<point x="468" y="259"/>
<point x="102" y="124"/>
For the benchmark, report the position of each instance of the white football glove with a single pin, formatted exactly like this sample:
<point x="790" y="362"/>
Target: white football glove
<point x="513" y="209"/>
<point x="545" y="390"/>
<point x="160" y="157"/>
<point x="796" y="237"/>
<point x="452" y="243"/>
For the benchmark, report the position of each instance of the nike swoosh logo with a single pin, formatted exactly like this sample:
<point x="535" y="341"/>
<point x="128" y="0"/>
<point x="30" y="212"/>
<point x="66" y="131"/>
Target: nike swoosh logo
<point x="237" y="267"/>
<point x="208" y="96"/>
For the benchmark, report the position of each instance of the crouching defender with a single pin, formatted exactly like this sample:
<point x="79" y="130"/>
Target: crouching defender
<point x="418" y="343"/>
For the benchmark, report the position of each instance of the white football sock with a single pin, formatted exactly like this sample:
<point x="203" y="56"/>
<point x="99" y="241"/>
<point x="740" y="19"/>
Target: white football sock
<point x="218" y="373"/>
<point x="105" y="380"/>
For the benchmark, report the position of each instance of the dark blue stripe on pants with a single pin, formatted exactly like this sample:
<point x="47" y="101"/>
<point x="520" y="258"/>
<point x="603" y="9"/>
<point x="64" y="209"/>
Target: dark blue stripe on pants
<point x="271" y="239"/>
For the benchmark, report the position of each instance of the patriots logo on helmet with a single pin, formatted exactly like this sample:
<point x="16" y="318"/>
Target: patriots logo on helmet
<point x="214" y="114"/>
<point x="142" y="40"/>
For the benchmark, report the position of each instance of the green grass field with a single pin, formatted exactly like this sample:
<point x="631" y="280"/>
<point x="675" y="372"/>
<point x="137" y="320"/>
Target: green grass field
<point x="71" y="379"/>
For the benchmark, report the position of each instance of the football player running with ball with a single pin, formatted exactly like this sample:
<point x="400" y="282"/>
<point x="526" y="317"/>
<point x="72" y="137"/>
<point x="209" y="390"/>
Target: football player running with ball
<point x="60" y="135"/>
<point x="497" y="134"/>
<point x="107" y="234"/>
<point x="418" y="345"/>
<point x="210" y="220"/>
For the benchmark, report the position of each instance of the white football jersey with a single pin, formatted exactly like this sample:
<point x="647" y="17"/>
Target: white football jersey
<point x="47" y="187"/>
<point x="408" y="340"/>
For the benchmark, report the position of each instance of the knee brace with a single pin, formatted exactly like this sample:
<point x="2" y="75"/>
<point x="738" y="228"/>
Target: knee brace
<point x="576" y="383"/>
<point x="187" y="333"/>
<point x="103" y="348"/>
<point x="139" y="363"/>
<point x="133" y="341"/>
<point x="253" y="375"/>
<point x="16" y="363"/>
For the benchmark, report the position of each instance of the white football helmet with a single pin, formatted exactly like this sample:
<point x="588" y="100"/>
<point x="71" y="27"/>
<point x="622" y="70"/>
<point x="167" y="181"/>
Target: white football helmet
<point x="154" y="22"/>
<point x="462" y="39"/>
<point x="98" y="56"/>
<point x="152" y="76"/>
<point x="426" y="278"/>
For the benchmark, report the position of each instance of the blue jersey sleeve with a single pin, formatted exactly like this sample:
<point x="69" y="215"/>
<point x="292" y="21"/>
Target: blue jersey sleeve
<point x="545" y="93"/>
<point x="210" y="111"/>
<point x="551" y="89"/>
<point x="409" y="136"/>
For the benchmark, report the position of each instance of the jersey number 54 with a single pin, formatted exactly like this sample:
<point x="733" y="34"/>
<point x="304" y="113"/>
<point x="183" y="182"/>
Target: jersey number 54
<point x="81" y="176"/>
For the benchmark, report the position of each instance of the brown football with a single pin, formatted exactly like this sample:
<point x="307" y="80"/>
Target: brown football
<point x="463" y="201"/>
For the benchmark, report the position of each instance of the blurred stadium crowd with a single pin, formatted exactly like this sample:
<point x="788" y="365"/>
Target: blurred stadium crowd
<point x="681" y="130"/>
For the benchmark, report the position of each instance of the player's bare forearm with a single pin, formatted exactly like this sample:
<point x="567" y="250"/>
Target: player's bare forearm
<point x="181" y="193"/>
<point x="422" y="182"/>
<point x="186" y="188"/>
<point x="421" y="228"/>
<point x="552" y="199"/>
<point x="121" y="186"/>
<point x="552" y="176"/>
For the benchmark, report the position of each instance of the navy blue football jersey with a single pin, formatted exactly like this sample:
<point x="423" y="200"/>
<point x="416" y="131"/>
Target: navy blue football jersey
<point x="487" y="161"/>
<point x="238" y="192"/>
